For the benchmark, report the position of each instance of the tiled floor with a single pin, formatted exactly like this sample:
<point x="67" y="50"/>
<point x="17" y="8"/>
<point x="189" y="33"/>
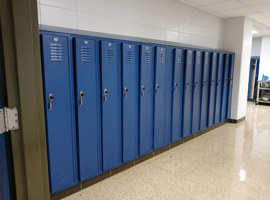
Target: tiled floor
<point x="231" y="163"/>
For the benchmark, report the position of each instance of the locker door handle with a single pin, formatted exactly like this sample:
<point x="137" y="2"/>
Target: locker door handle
<point x="204" y="83"/>
<point x="196" y="83"/>
<point x="81" y="98"/>
<point x="157" y="88"/>
<point x="175" y="87"/>
<point x="105" y="95"/>
<point x="187" y="83"/>
<point x="126" y="90"/>
<point x="51" y="98"/>
<point x="212" y="82"/>
<point x="143" y="88"/>
<point x="218" y="82"/>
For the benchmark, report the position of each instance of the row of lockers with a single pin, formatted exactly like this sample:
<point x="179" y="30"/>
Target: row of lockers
<point x="107" y="101"/>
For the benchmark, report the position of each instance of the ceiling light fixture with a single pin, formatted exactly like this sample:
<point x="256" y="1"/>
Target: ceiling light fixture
<point x="254" y="32"/>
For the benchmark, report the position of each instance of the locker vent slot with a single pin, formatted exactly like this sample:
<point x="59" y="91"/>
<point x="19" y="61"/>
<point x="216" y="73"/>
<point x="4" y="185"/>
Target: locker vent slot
<point x="179" y="58"/>
<point x="110" y="56"/>
<point x="130" y="57"/>
<point x="147" y="58"/>
<point x="90" y="166"/>
<point x="161" y="58"/>
<point x="110" y="157"/>
<point x="86" y="54"/>
<point x="63" y="177"/>
<point x="56" y="52"/>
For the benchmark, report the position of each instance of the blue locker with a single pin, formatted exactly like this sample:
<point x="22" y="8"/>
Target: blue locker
<point x="205" y="90"/>
<point x="4" y="180"/>
<point x="188" y="94"/>
<point x="88" y="107"/>
<point x="60" y="111"/>
<point x="147" y="76"/>
<point x="159" y="118"/>
<point x="212" y="90"/>
<point x="130" y="73"/>
<point x="230" y="85"/>
<point x="168" y="95"/>
<point x="219" y="88"/>
<point x="179" y="67"/>
<point x="225" y="87"/>
<point x="111" y="104"/>
<point x="197" y="91"/>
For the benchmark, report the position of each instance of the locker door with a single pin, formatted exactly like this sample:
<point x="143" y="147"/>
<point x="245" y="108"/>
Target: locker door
<point x="60" y="112"/>
<point x="225" y="87"/>
<point x="232" y="56"/>
<point x="219" y="88"/>
<point x="212" y="95"/>
<point x="205" y="90"/>
<point x="168" y="95"/>
<point x="179" y="64"/>
<point x="159" y="119"/>
<point x="88" y="107"/>
<point x="111" y="104"/>
<point x="4" y="180"/>
<point x="147" y="99"/>
<point x="188" y="84"/>
<point x="197" y="91"/>
<point x="130" y="71"/>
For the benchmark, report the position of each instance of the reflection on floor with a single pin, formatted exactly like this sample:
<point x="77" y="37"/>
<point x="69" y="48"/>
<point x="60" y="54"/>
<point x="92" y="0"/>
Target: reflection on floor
<point x="230" y="163"/>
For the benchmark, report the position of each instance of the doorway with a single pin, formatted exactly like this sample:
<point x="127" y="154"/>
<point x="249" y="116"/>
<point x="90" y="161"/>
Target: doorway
<point x="253" y="78"/>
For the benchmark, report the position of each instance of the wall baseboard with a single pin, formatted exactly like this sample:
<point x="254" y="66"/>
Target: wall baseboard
<point x="235" y="121"/>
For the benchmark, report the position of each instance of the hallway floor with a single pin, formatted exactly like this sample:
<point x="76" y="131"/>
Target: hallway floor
<point x="231" y="163"/>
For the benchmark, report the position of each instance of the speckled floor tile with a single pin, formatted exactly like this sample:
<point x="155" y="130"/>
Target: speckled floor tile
<point x="231" y="162"/>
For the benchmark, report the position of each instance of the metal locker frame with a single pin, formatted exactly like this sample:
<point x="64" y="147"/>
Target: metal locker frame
<point x="225" y="87"/>
<point x="205" y="89"/>
<point x="111" y="141"/>
<point x="59" y="176"/>
<point x="197" y="91"/>
<point x="130" y="100"/>
<point x="232" y="58"/>
<point x="188" y="93"/>
<point x="178" y="85"/>
<point x="212" y="90"/>
<point x="147" y="77"/>
<point x="219" y="88"/>
<point x="88" y="107"/>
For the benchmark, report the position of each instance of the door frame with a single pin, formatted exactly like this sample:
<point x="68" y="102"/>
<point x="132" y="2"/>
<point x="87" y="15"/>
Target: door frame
<point x="256" y="72"/>
<point x="24" y="90"/>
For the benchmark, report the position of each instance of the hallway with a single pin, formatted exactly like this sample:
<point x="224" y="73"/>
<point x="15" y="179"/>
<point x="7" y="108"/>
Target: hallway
<point x="231" y="162"/>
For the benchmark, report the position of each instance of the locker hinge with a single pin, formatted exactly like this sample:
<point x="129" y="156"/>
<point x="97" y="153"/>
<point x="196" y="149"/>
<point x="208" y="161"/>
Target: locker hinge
<point x="9" y="119"/>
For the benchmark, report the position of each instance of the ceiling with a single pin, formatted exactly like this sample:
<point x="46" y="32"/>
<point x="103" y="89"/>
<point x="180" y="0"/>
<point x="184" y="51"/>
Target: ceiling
<point x="258" y="10"/>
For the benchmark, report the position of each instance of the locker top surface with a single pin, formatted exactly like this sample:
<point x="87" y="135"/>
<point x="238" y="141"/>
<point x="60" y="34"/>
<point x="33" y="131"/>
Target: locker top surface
<point x="106" y="36"/>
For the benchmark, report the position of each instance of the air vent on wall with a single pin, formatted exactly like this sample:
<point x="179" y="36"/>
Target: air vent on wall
<point x="56" y="52"/>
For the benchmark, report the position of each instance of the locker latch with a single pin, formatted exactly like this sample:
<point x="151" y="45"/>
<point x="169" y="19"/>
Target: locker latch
<point x="196" y="83"/>
<point x="105" y="95"/>
<point x="81" y="98"/>
<point x="175" y="87"/>
<point x="9" y="119"/>
<point x="143" y="88"/>
<point x="157" y="88"/>
<point x="204" y="83"/>
<point x="126" y="91"/>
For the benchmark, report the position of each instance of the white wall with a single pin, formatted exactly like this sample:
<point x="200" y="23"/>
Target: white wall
<point x="238" y="38"/>
<point x="155" y="19"/>
<point x="265" y="57"/>
<point x="256" y="47"/>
